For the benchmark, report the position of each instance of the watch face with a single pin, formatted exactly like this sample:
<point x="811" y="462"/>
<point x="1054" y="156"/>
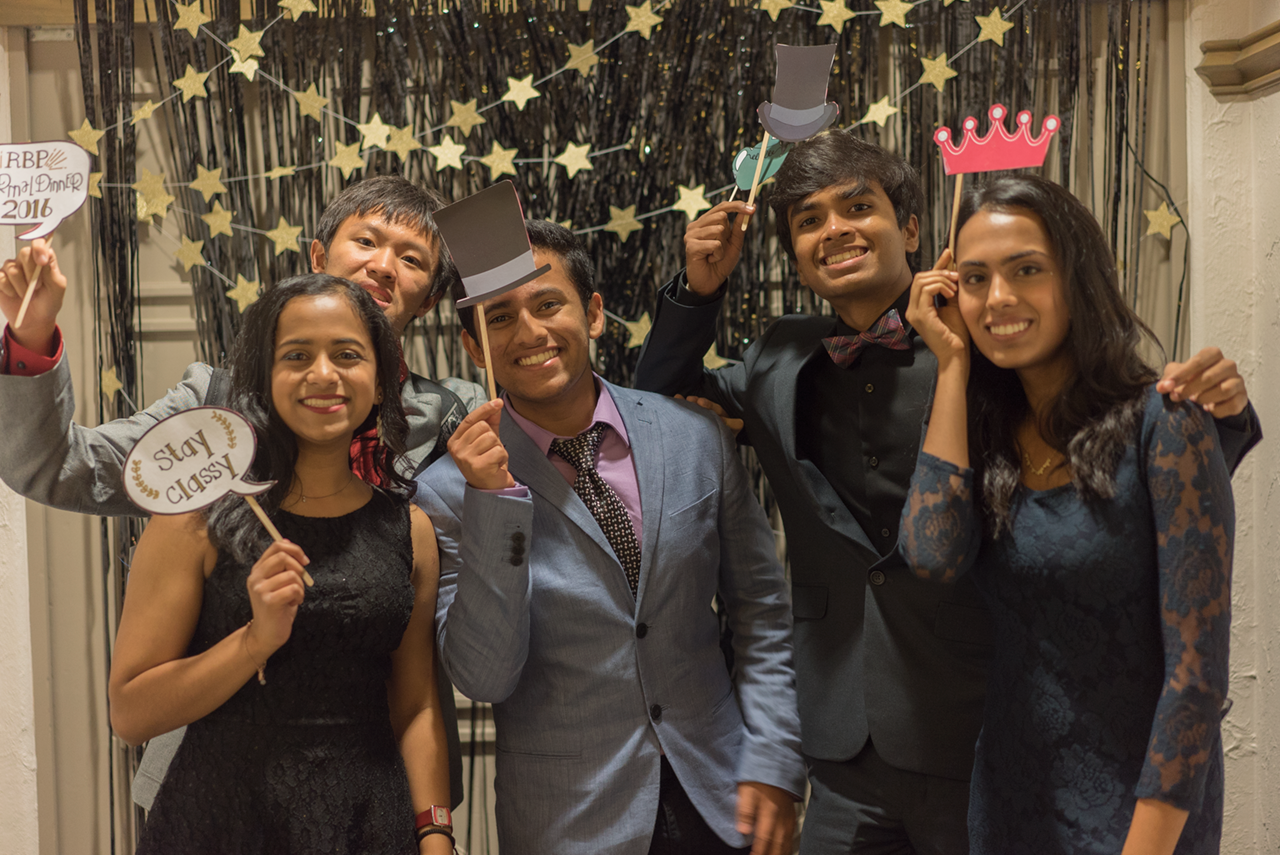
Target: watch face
<point x="441" y="816"/>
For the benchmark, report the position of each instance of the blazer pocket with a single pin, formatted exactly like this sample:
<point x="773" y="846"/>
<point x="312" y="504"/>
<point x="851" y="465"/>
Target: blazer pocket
<point x="965" y="624"/>
<point x="699" y="510"/>
<point x="809" y="602"/>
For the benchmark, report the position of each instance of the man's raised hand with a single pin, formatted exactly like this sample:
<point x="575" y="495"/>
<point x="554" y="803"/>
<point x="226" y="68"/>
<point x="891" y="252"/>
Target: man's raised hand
<point x="478" y="451"/>
<point x="712" y="246"/>
<point x="41" y="320"/>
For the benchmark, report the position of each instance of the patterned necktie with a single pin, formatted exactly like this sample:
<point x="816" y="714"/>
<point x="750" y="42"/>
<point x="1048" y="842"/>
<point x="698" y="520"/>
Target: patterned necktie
<point x="598" y="496"/>
<point x="887" y="332"/>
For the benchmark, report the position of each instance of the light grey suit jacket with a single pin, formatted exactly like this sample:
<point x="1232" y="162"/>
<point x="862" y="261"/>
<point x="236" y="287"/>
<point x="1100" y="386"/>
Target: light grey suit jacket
<point x="590" y="685"/>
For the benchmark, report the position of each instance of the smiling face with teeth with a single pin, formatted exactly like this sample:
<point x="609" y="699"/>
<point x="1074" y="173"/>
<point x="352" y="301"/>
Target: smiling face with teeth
<point x="324" y="372"/>
<point x="850" y="250"/>
<point x="540" y="337"/>
<point x="1012" y="295"/>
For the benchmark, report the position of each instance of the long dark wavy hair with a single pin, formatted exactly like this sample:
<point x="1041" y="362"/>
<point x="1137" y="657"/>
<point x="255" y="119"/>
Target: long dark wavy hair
<point x="232" y="526"/>
<point x="1098" y="409"/>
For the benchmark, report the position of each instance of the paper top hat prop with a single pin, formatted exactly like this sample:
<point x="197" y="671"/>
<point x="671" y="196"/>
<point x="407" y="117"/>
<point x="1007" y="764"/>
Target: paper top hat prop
<point x="487" y="240"/>
<point x="800" y="108"/>
<point x="998" y="149"/>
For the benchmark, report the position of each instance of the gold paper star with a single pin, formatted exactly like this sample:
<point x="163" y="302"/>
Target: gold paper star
<point x="1161" y="221"/>
<point x="280" y="172"/>
<point x="190" y="255"/>
<point x="192" y="84"/>
<point x="582" y="58"/>
<point x="297" y="7"/>
<point x="95" y="185"/>
<point x="500" y="161"/>
<point x="248" y="66"/>
<point x="574" y="158"/>
<point x="153" y="201"/>
<point x="637" y="330"/>
<point x="692" y="201"/>
<point x="893" y="12"/>
<point x="521" y="92"/>
<point x="713" y="360"/>
<point x="773" y="7"/>
<point x="447" y="153"/>
<point x="568" y="224"/>
<point x="310" y="102"/>
<point x="285" y="236"/>
<point x="87" y="137"/>
<point x="190" y="18"/>
<point x="879" y="112"/>
<point x="834" y="14"/>
<point x="936" y="71"/>
<point x="641" y="19"/>
<point x="245" y="293"/>
<point x="993" y="27"/>
<point x="373" y="134"/>
<point x="218" y="220"/>
<point x="401" y="141"/>
<point x="622" y="222"/>
<point x="464" y="117"/>
<point x="109" y="383"/>
<point x="247" y="44"/>
<point x="949" y="2"/>
<point x="208" y="182"/>
<point x="347" y="159"/>
<point x="144" y="112"/>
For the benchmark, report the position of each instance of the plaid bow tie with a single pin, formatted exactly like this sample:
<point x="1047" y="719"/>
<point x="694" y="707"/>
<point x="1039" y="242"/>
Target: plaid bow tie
<point x="887" y="332"/>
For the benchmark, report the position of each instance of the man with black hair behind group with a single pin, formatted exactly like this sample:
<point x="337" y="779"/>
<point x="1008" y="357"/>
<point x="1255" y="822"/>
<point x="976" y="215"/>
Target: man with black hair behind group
<point x="890" y="669"/>
<point x="378" y="233"/>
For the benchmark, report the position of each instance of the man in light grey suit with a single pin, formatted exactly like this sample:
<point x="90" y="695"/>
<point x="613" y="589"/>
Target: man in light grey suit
<point x="619" y="727"/>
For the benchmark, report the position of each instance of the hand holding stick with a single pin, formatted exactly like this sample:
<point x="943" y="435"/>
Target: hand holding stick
<point x="755" y="182"/>
<point x="33" y="282"/>
<point x="273" y="531"/>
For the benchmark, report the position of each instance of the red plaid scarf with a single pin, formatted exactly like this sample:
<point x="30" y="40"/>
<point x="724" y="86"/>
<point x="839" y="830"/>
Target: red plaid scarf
<point x="886" y="332"/>
<point x="364" y="446"/>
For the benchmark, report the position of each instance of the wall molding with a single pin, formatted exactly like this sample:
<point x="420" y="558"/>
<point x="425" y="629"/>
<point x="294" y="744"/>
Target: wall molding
<point x="1242" y="66"/>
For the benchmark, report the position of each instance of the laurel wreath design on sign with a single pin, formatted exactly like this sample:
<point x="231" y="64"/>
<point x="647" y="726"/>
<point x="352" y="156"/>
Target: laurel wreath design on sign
<point x="226" y="426"/>
<point x="146" y="489"/>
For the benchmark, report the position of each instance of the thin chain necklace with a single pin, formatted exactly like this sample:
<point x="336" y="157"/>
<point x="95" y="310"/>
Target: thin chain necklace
<point x="350" y="477"/>
<point x="1043" y="468"/>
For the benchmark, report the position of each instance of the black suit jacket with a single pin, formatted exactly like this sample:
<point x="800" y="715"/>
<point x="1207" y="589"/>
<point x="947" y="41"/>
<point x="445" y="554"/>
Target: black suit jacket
<point x="879" y="653"/>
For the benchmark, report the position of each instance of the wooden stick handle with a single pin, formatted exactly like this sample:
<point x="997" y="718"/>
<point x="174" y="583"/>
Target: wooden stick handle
<point x="488" y="357"/>
<point x="273" y="531"/>
<point x="26" y="298"/>
<point x="755" y="182"/>
<point x="955" y="216"/>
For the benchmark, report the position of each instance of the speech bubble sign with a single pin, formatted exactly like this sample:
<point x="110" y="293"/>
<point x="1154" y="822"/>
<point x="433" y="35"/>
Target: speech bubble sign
<point x="190" y="460"/>
<point x="41" y="184"/>
<point x="744" y="163"/>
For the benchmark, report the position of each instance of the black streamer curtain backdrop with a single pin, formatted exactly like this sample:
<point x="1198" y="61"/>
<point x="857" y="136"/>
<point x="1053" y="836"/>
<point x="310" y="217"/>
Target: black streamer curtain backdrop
<point x="682" y="101"/>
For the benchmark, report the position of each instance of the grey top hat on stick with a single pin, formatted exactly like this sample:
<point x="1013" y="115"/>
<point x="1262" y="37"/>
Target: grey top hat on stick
<point x="486" y="238"/>
<point x="800" y="107"/>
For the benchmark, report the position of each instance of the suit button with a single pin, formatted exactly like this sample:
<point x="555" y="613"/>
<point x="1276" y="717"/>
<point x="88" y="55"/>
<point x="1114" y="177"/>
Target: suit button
<point x="655" y="713"/>
<point x="642" y="629"/>
<point x="884" y="532"/>
<point x="875" y="461"/>
<point x="870" y="388"/>
<point x="518" y="538"/>
<point x="517" y="560"/>
<point x="877" y="577"/>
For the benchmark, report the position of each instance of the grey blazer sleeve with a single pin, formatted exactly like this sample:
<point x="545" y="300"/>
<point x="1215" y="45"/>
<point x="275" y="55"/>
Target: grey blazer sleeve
<point x="482" y="607"/>
<point x="48" y="458"/>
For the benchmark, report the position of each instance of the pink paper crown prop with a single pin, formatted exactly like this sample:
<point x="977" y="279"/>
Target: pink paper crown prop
<point x="998" y="149"/>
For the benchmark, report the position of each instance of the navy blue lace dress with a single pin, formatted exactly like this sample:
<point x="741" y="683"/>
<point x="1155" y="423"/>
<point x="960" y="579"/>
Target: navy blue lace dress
<point x="1111" y="631"/>
<point x="307" y="763"/>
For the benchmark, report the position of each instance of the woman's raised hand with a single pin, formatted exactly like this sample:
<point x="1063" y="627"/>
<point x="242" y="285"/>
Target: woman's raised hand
<point x="275" y="592"/>
<point x="942" y="328"/>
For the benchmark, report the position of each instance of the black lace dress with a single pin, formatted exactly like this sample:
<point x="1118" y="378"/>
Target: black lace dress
<point x="1111" y="623"/>
<point x="308" y="763"/>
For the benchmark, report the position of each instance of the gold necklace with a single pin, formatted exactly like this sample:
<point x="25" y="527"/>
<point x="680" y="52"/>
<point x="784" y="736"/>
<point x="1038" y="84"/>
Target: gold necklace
<point x="1044" y="467"/>
<point x="350" y="477"/>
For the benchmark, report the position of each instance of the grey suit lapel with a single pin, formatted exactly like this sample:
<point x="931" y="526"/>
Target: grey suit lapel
<point x="529" y="466"/>
<point x="647" y="454"/>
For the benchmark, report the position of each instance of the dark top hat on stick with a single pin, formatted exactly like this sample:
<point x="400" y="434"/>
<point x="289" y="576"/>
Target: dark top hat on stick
<point x="800" y="108"/>
<point x="486" y="238"/>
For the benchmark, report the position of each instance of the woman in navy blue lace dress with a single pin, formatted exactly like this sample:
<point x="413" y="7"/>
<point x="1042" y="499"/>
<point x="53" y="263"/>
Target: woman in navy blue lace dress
<point x="1097" y="519"/>
<point x="314" y="723"/>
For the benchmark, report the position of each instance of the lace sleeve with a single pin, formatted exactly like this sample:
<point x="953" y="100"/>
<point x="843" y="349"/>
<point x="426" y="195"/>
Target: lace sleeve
<point x="1195" y="520"/>
<point x="939" y="535"/>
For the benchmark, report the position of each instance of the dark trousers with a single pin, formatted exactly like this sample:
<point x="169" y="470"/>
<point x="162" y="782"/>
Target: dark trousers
<point x="864" y="806"/>
<point x="680" y="829"/>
